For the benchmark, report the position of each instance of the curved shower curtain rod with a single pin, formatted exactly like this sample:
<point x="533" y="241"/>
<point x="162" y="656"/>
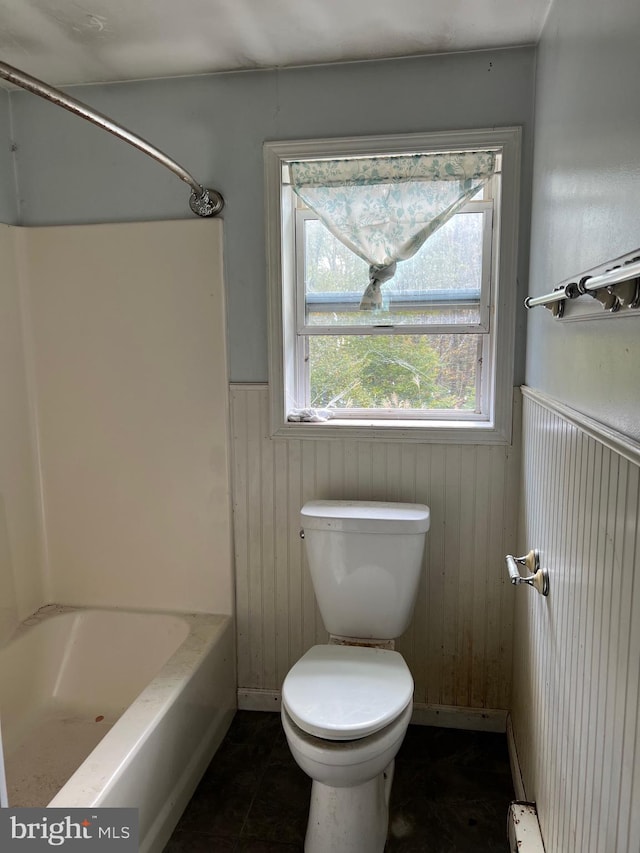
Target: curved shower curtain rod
<point x="203" y="201"/>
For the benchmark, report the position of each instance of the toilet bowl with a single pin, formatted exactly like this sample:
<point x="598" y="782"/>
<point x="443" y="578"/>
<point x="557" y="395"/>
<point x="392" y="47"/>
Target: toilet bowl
<point x="345" y="712"/>
<point x="349" y="809"/>
<point x="346" y="764"/>
<point x="346" y="705"/>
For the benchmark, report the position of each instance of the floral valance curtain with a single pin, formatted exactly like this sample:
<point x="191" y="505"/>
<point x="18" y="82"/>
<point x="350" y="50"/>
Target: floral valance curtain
<point x="384" y="208"/>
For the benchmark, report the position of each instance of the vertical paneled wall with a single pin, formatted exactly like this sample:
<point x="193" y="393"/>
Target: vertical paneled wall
<point x="459" y="644"/>
<point x="576" y="670"/>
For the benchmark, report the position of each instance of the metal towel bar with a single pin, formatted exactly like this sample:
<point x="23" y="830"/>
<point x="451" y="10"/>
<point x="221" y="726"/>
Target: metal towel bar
<point x="616" y="287"/>
<point x="538" y="579"/>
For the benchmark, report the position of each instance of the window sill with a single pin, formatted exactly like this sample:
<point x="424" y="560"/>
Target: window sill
<point x="434" y="432"/>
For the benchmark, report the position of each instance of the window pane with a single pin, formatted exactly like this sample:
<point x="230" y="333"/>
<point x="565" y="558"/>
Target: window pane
<point x="435" y="372"/>
<point x="440" y="284"/>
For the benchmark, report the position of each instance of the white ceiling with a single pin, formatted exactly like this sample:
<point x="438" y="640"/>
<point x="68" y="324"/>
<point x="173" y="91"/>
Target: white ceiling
<point x="86" y="41"/>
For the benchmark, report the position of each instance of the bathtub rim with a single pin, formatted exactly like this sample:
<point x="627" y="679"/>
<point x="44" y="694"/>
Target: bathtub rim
<point x="96" y="779"/>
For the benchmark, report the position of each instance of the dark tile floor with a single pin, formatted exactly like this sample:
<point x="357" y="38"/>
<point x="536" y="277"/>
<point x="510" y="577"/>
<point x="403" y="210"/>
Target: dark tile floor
<point x="450" y="794"/>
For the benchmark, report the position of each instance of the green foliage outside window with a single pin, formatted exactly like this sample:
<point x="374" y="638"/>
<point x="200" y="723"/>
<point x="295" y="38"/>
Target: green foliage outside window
<point x="394" y="371"/>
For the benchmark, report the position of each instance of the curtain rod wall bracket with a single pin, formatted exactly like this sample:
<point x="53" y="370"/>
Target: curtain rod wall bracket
<point x="208" y="203"/>
<point x="203" y="202"/>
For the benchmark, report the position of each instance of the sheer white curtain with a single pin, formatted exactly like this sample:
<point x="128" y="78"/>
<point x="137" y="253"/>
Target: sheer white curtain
<point x="384" y="208"/>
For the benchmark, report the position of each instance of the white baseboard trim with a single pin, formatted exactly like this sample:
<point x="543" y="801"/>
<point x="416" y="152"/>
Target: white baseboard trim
<point x="444" y="716"/>
<point x="523" y="828"/>
<point x="455" y="717"/>
<point x="516" y="772"/>
<point x="258" y="700"/>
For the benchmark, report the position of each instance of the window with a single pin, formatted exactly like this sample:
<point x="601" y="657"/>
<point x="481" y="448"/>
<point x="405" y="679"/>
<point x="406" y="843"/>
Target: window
<point x="434" y="361"/>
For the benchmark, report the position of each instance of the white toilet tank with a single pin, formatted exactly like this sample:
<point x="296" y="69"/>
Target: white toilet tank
<point x="365" y="559"/>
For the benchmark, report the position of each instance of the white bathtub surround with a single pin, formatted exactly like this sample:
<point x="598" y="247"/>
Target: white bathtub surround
<point x="116" y="708"/>
<point x="8" y="601"/>
<point x="22" y="583"/>
<point x="128" y="349"/>
<point x="577" y="653"/>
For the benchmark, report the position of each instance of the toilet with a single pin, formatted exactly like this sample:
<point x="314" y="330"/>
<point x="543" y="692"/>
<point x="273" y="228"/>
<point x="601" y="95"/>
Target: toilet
<point x="346" y="705"/>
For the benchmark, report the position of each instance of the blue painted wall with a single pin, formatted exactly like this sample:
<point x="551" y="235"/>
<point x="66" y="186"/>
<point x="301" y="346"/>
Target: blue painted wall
<point x="586" y="201"/>
<point x="215" y="125"/>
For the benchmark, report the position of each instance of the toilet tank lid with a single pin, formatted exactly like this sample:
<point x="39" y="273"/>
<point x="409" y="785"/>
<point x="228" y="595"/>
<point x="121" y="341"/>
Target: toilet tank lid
<point x="365" y="517"/>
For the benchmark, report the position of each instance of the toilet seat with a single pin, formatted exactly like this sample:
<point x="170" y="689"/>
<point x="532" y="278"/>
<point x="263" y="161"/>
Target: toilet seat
<point x="346" y="692"/>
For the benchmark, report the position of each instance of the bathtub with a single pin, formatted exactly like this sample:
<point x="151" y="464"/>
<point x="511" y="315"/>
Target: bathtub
<point x="115" y="708"/>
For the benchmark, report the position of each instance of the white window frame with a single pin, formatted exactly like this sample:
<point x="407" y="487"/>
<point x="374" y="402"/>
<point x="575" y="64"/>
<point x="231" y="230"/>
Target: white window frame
<point x="281" y="271"/>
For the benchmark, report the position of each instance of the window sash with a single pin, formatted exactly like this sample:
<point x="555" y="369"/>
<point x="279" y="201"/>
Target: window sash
<point x="302" y="391"/>
<point x="484" y="302"/>
<point x="304" y="331"/>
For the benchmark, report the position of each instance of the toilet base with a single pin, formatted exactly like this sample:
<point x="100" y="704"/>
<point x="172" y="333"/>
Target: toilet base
<point x="350" y="820"/>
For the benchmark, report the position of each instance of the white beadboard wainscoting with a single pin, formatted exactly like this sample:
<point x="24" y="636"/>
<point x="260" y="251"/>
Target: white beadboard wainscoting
<point x="577" y="653"/>
<point x="458" y="646"/>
